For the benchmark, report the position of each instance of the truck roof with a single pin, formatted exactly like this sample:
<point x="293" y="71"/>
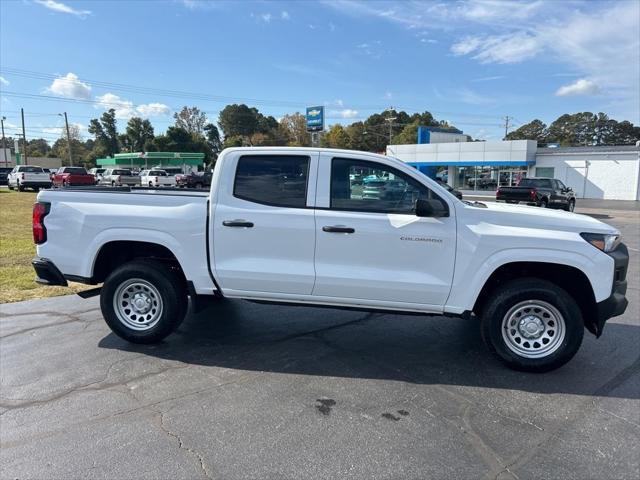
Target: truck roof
<point x="303" y="149"/>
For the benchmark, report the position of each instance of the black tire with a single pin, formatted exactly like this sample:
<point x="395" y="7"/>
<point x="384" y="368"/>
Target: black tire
<point x="571" y="206"/>
<point x="19" y="187"/>
<point x="522" y="291"/>
<point x="168" y="285"/>
<point x="544" y="203"/>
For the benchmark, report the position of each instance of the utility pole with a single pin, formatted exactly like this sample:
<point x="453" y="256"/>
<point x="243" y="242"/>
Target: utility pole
<point x="390" y="119"/>
<point x="66" y="122"/>
<point x="506" y="125"/>
<point x="4" y="142"/>
<point x="24" y="139"/>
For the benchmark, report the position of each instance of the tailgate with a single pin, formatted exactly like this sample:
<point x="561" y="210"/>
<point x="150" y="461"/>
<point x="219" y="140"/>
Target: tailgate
<point x="514" y="193"/>
<point x="36" y="177"/>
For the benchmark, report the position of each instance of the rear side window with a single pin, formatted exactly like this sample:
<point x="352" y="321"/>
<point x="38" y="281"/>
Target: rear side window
<point x="75" y="170"/>
<point x="31" y="169"/>
<point x="277" y="180"/>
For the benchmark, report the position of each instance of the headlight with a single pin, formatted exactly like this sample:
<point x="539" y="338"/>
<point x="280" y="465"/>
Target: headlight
<point x="605" y="242"/>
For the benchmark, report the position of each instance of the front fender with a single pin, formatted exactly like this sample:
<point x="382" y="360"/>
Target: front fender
<point x="468" y="284"/>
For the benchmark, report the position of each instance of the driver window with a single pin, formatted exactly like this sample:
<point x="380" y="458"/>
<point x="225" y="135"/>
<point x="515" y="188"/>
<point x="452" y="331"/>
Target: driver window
<point x="364" y="186"/>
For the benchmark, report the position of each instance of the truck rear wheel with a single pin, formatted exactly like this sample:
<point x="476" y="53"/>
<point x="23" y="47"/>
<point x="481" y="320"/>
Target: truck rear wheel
<point x="532" y="325"/>
<point x="143" y="301"/>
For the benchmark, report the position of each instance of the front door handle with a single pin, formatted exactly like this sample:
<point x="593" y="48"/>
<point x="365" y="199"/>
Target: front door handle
<point x="237" y="223"/>
<point x="338" y="229"/>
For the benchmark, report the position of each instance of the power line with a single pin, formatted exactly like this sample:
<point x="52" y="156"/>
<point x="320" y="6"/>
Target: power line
<point x="214" y="98"/>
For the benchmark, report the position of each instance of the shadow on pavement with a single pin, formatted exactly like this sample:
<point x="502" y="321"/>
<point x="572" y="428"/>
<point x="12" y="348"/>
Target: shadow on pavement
<point x="417" y="349"/>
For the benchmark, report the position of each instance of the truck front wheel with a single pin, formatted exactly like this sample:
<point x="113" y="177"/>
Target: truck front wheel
<point x="143" y="301"/>
<point x="532" y="325"/>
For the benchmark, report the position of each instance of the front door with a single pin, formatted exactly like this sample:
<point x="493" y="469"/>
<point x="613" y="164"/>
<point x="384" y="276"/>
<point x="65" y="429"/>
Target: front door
<point x="263" y="230"/>
<point x="370" y="245"/>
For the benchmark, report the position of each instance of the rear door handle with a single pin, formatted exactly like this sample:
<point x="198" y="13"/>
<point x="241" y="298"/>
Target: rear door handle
<point x="338" y="229"/>
<point x="237" y="223"/>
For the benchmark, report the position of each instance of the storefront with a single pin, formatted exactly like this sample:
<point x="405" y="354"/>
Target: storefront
<point x="472" y="166"/>
<point x="174" y="161"/>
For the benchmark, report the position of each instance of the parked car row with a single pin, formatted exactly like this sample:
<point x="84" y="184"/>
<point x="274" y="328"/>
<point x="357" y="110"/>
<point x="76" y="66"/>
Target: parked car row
<point x="34" y="177"/>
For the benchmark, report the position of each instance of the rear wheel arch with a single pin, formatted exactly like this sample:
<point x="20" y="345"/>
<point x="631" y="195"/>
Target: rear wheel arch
<point x="569" y="278"/>
<point x="113" y="254"/>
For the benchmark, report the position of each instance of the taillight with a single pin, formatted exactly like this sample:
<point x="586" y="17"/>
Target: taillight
<point x="498" y="192"/>
<point x="532" y="194"/>
<point x="22" y="176"/>
<point x="156" y="179"/>
<point x="40" y="210"/>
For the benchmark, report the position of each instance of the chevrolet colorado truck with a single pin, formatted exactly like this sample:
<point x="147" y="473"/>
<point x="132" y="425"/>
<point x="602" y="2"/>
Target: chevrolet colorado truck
<point x="541" y="192"/>
<point x="288" y="225"/>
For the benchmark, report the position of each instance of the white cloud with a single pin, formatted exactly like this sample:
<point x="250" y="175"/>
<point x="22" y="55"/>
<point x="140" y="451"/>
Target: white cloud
<point x="509" y="48"/>
<point x="582" y="86"/>
<point x="488" y="79"/>
<point x="284" y="15"/>
<point x="266" y="17"/>
<point x="467" y="95"/>
<point x="4" y="81"/>
<point x="344" y="113"/>
<point x="125" y="108"/>
<point x="153" y="110"/>
<point x="62" y="130"/>
<point x="69" y="86"/>
<point x="63" y="8"/>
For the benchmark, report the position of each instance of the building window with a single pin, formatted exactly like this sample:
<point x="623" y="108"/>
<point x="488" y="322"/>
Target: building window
<point x="545" y="172"/>
<point x="277" y="180"/>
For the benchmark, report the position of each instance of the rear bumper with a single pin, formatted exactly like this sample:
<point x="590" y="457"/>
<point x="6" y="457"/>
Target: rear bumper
<point x="28" y="184"/>
<point x="47" y="273"/>
<point x="617" y="303"/>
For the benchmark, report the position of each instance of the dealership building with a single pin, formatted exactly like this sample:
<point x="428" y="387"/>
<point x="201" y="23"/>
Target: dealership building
<point x="186" y="162"/>
<point x="607" y="172"/>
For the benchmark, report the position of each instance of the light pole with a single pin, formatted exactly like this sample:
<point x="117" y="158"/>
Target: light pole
<point x="4" y="142"/>
<point x="66" y="122"/>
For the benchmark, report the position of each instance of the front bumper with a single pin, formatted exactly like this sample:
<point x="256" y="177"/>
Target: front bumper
<point x="47" y="273"/>
<point x="617" y="303"/>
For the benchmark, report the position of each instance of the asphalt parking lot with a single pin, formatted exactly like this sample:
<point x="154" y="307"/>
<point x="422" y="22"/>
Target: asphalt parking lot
<point x="254" y="391"/>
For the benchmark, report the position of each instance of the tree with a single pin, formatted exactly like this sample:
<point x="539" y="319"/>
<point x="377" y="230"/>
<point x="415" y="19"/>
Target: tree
<point x="179" y="140"/>
<point x="238" y="120"/>
<point x="534" y="130"/>
<point x="191" y="119"/>
<point x="336" y="137"/>
<point x="292" y="130"/>
<point x="38" y="147"/>
<point x="60" y="148"/>
<point x="105" y="132"/>
<point x="138" y="133"/>
<point x="212" y="136"/>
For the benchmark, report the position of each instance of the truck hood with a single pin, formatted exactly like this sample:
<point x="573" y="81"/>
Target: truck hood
<point x="536" y="217"/>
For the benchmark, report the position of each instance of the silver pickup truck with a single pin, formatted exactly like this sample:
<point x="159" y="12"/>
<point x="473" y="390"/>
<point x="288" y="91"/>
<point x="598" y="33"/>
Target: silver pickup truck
<point x="117" y="177"/>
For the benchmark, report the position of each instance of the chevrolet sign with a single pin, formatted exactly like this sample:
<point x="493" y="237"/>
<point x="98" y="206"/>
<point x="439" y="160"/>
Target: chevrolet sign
<point x="315" y="119"/>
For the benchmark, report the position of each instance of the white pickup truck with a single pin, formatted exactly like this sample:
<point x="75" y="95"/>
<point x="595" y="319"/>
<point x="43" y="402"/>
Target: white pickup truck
<point x="28" y="176"/>
<point x="289" y="225"/>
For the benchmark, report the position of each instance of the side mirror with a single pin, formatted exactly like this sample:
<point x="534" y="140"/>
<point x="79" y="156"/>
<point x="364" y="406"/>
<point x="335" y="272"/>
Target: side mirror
<point x="431" y="208"/>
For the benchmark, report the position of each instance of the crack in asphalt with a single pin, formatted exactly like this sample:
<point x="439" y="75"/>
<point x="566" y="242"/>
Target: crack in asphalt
<point x="91" y="386"/>
<point x="72" y="318"/>
<point x="181" y="445"/>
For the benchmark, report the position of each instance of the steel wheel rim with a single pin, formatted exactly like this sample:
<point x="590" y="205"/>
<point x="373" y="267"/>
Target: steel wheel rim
<point x="533" y="329"/>
<point x="138" y="304"/>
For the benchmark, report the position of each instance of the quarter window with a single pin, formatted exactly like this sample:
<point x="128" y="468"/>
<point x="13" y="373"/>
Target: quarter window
<point x="277" y="180"/>
<point x="364" y="186"/>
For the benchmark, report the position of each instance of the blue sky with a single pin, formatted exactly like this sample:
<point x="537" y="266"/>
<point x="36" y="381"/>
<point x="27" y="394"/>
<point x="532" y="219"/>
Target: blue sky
<point x="470" y="62"/>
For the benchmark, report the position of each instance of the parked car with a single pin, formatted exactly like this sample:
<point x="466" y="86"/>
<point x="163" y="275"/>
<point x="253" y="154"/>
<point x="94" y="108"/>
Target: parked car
<point x="449" y="188"/>
<point x="484" y="182"/>
<point x="4" y="174"/>
<point x="117" y="177"/>
<point x="156" y="178"/>
<point x="97" y="173"/>
<point x="542" y="192"/>
<point x="28" y="176"/>
<point x="73" y="176"/>
<point x="194" y="180"/>
<point x="534" y="279"/>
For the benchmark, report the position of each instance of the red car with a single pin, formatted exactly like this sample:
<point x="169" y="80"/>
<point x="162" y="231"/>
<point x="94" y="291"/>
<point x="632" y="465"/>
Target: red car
<point x="70" y="176"/>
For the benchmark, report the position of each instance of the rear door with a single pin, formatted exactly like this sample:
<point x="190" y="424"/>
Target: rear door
<point x="371" y="246"/>
<point x="263" y="223"/>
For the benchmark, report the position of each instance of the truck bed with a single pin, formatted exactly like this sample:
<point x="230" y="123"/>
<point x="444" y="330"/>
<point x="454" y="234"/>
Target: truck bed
<point x="82" y="219"/>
